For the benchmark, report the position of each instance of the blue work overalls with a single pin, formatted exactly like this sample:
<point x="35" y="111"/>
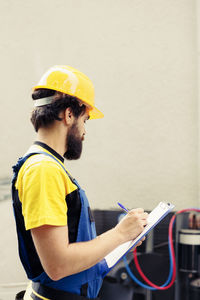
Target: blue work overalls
<point x="86" y="283"/>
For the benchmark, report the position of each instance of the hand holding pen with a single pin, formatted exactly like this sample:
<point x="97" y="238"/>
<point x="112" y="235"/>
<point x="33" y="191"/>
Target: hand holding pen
<point x="133" y="223"/>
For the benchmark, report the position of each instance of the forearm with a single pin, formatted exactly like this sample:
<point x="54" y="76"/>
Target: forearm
<point x="76" y="257"/>
<point x="83" y="255"/>
<point x="59" y="258"/>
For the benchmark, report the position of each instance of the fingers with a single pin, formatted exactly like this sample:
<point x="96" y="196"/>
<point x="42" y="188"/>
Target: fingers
<point x="139" y="215"/>
<point x="132" y="224"/>
<point x="139" y="211"/>
<point x="138" y="244"/>
<point x="145" y="215"/>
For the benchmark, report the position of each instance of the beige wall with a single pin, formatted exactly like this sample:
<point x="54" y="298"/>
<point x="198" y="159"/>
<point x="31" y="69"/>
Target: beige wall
<point x="142" y="58"/>
<point x="198" y="78"/>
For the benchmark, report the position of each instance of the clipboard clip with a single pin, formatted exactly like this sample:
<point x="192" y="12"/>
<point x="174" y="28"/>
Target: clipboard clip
<point x="164" y="205"/>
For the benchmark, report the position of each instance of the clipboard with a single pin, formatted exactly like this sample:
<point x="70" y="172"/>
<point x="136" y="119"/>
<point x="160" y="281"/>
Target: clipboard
<point x="157" y="214"/>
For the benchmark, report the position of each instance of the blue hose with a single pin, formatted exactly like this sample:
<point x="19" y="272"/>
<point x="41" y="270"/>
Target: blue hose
<point x="147" y="286"/>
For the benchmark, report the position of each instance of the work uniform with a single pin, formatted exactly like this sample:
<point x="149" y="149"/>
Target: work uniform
<point x="44" y="193"/>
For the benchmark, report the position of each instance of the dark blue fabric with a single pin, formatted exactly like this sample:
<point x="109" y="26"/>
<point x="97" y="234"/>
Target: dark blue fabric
<point x="27" y="251"/>
<point x="86" y="231"/>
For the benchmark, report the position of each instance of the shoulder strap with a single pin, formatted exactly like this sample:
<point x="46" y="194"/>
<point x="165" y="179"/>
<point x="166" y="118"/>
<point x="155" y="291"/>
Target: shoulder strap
<point x="22" y="160"/>
<point x="47" y="154"/>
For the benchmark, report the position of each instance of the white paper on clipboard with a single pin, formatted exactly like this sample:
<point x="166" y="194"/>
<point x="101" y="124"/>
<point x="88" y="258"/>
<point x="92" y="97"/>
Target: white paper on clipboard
<point x="159" y="212"/>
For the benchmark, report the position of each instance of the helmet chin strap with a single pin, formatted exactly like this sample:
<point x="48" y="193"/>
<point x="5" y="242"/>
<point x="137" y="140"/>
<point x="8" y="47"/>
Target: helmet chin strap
<point x="43" y="101"/>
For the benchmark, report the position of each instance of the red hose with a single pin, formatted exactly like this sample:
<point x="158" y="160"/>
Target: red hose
<point x="172" y="252"/>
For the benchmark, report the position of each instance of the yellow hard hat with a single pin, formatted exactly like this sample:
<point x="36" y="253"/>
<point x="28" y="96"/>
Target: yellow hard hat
<point x="70" y="81"/>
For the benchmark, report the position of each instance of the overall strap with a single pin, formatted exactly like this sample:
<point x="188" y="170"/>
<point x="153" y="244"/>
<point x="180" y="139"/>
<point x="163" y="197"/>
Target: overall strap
<point x="19" y="164"/>
<point x="50" y="155"/>
<point x="22" y="160"/>
<point x="17" y="167"/>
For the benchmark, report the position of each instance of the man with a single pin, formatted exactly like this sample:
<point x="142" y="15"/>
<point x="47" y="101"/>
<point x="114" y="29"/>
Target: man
<point x="58" y="246"/>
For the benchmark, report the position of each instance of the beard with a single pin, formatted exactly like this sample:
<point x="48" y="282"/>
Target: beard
<point x="74" y="143"/>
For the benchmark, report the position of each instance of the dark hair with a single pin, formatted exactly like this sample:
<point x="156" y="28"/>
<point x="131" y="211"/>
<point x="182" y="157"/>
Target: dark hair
<point x="43" y="116"/>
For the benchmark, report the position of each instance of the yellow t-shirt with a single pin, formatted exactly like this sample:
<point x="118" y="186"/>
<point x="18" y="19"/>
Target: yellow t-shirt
<point x="42" y="186"/>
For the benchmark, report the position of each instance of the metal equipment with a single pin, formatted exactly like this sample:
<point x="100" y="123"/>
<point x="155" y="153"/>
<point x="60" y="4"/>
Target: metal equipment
<point x="189" y="264"/>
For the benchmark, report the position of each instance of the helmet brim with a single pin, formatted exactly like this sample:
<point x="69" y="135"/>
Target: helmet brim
<point x="95" y="113"/>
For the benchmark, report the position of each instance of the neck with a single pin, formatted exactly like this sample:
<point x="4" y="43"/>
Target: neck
<point x="54" y="138"/>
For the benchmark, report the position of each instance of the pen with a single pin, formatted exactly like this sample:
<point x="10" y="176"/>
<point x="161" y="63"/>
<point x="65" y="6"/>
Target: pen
<point x="122" y="206"/>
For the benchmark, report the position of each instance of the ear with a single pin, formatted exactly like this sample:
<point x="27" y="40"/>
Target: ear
<point x="68" y="115"/>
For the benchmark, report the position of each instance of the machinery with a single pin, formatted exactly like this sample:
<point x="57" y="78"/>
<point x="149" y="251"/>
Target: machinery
<point x="155" y="263"/>
<point x="188" y="277"/>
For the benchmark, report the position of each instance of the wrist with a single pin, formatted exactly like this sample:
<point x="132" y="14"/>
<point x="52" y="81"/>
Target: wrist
<point x="118" y="234"/>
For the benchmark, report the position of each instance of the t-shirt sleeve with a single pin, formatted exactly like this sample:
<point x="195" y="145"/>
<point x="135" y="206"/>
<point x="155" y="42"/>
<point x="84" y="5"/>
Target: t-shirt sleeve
<point x="43" y="196"/>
